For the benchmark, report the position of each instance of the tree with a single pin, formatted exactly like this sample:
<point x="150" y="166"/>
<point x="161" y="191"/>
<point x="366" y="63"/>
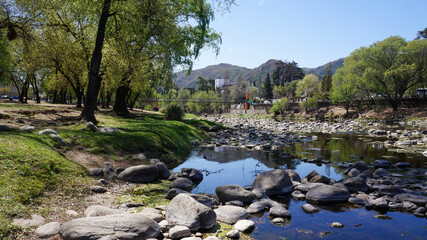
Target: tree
<point x="308" y="86"/>
<point x="286" y="72"/>
<point x="239" y="89"/>
<point x="389" y="68"/>
<point x="182" y="39"/>
<point x="327" y="79"/>
<point x="280" y="107"/>
<point x="290" y="88"/>
<point x="422" y="34"/>
<point x="5" y="60"/>
<point x="267" y="88"/>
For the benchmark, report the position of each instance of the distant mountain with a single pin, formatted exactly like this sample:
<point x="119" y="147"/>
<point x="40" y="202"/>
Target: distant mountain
<point x="321" y="71"/>
<point x="256" y="75"/>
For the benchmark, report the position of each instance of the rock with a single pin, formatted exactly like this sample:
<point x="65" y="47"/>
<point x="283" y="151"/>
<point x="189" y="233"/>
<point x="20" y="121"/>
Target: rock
<point x="185" y="211"/>
<point x="164" y="172"/>
<point x="244" y="226"/>
<point x="4" y="128"/>
<point x="417" y="199"/>
<point x="353" y="173"/>
<point x="320" y="179"/>
<point x="379" y="203"/>
<point x="382" y="164"/>
<point x="35" y="221"/>
<point x="337" y="225"/>
<point x="108" y="170"/>
<point x="139" y="174"/>
<point x="278" y="221"/>
<point x="182" y="183"/>
<point x="179" y="232"/>
<point x="307" y="186"/>
<point x="58" y="139"/>
<point x="71" y="213"/>
<point x="120" y="170"/>
<point x="205" y="200"/>
<point x="211" y="238"/>
<point x="152" y="213"/>
<point x="293" y="175"/>
<point x="256" y="207"/>
<point x="298" y="195"/>
<point x="361" y="166"/>
<point x="98" y="210"/>
<point x="235" y="203"/>
<point x="230" y="214"/>
<point x="108" y="130"/>
<point x="118" y="226"/>
<point x="390" y="190"/>
<point x="311" y="175"/>
<point x="380" y="172"/>
<point x="48" y="131"/>
<point x="27" y="128"/>
<point x="308" y="208"/>
<point x="173" y="192"/>
<point x="327" y="194"/>
<point x="192" y="174"/>
<point x="408" y="206"/>
<point x="366" y="174"/>
<point x="274" y="182"/>
<point x="279" y="212"/>
<point x="355" y="184"/>
<point x="139" y="157"/>
<point x="189" y="238"/>
<point x="154" y="161"/>
<point x="233" y="234"/>
<point x="233" y="192"/>
<point x="357" y="201"/>
<point x="269" y="203"/>
<point x="96" y="172"/>
<point x="48" y="230"/>
<point x="91" y="126"/>
<point x="98" y="189"/>
<point x="402" y="165"/>
<point x="165" y="226"/>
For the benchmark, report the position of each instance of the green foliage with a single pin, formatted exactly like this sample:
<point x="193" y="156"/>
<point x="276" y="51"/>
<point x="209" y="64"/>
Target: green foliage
<point x="280" y="107"/>
<point x="204" y="102"/>
<point x="5" y="60"/>
<point x="308" y="86"/>
<point x="151" y="195"/>
<point x="286" y="72"/>
<point x="327" y="79"/>
<point x="173" y="112"/>
<point x="267" y="88"/>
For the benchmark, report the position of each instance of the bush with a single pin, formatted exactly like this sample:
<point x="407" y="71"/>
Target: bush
<point x="173" y="112"/>
<point x="280" y="107"/>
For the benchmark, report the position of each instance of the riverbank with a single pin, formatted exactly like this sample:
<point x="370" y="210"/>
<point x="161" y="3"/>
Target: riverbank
<point x="44" y="171"/>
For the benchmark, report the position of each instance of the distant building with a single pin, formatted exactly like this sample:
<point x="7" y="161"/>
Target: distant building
<point x="221" y="83"/>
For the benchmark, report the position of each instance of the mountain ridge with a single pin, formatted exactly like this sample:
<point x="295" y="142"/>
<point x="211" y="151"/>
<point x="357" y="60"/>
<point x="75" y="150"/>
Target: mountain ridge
<point x="254" y="76"/>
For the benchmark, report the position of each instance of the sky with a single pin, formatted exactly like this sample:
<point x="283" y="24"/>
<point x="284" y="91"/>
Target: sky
<point x="310" y="32"/>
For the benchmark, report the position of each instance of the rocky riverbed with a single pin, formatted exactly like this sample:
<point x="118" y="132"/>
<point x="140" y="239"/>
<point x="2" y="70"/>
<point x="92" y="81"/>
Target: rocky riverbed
<point x="193" y="216"/>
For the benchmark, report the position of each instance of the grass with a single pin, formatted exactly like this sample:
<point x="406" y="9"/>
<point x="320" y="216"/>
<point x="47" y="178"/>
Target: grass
<point x="30" y="166"/>
<point x="150" y="195"/>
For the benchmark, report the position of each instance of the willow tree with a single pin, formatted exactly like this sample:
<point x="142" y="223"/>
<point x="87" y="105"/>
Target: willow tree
<point x="182" y="27"/>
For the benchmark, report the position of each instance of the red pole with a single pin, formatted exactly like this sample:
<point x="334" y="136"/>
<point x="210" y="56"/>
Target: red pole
<point x="246" y="103"/>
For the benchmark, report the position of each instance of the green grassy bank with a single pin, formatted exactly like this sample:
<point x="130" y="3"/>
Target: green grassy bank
<point x="34" y="166"/>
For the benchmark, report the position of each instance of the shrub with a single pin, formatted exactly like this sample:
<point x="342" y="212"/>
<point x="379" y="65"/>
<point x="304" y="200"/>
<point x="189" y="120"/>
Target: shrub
<point x="280" y="107"/>
<point x="173" y="112"/>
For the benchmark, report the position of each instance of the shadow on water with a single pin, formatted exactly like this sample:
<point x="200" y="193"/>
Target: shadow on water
<point x="226" y="165"/>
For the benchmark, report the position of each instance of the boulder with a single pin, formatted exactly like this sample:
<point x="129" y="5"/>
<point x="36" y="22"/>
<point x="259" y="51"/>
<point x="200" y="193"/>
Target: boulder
<point x="185" y="211"/>
<point x="311" y="175"/>
<point x="233" y="192"/>
<point x="179" y="232"/>
<point x="307" y="186"/>
<point x="281" y="212"/>
<point x="230" y="214"/>
<point x="182" y="183"/>
<point x="48" y="131"/>
<point x="320" y="179"/>
<point x="91" y="126"/>
<point x="164" y="172"/>
<point x="298" y="195"/>
<point x="293" y="175"/>
<point x="417" y="199"/>
<point x="382" y="164"/>
<point x="118" y="226"/>
<point x="58" y="139"/>
<point x="109" y="171"/>
<point x="192" y="174"/>
<point x="96" y="172"/>
<point x="308" y="208"/>
<point x="35" y="221"/>
<point x="244" y="226"/>
<point x="152" y="213"/>
<point x="357" y="201"/>
<point x="47" y="230"/>
<point x="353" y="172"/>
<point x="380" y="172"/>
<point x="355" y="184"/>
<point x="98" y="210"/>
<point x="27" y="128"/>
<point x="173" y="192"/>
<point x="327" y="194"/>
<point x="256" y="207"/>
<point x="139" y="174"/>
<point x="274" y="182"/>
<point x="139" y="157"/>
<point x="361" y="166"/>
<point x="233" y="234"/>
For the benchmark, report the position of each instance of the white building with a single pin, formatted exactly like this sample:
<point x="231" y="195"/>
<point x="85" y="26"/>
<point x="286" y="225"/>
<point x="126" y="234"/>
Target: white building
<point x="220" y="83"/>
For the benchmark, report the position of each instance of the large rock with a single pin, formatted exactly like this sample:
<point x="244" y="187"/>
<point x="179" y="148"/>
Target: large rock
<point x="274" y="182"/>
<point x="311" y="175"/>
<point x="354" y="172"/>
<point x="230" y="214"/>
<point x="109" y="171"/>
<point x="48" y="230"/>
<point x="192" y="174"/>
<point x="35" y="221"/>
<point x="293" y="175"/>
<point x="307" y="186"/>
<point x="355" y="184"/>
<point x="185" y="211"/>
<point x="361" y="166"/>
<point x="244" y="225"/>
<point x="139" y="174"/>
<point x="256" y="207"/>
<point x="164" y="172"/>
<point x="179" y="232"/>
<point x="119" y="226"/>
<point x="173" y="192"/>
<point x="98" y="210"/>
<point x="279" y="212"/>
<point x="417" y="199"/>
<point x="327" y="194"/>
<point x="182" y="183"/>
<point x="320" y="179"/>
<point x="233" y="192"/>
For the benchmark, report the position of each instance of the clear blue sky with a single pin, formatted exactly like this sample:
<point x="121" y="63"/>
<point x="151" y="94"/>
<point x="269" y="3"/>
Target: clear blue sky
<point x="310" y="32"/>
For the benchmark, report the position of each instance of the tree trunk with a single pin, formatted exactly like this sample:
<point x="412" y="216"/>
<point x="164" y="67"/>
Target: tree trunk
<point x="120" y="105"/>
<point x="133" y="101"/>
<point x="109" y="96"/>
<point x="94" y="84"/>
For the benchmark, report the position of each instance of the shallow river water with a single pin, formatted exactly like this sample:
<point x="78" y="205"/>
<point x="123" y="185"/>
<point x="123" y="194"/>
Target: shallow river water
<point x="226" y="165"/>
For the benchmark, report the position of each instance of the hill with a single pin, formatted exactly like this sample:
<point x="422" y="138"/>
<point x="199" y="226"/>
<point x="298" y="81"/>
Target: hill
<point x="251" y="75"/>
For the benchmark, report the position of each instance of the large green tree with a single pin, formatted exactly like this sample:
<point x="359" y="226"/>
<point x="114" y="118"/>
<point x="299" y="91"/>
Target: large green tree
<point x="286" y="72"/>
<point x="308" y="86"/>
<point x="267" y="90"/>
